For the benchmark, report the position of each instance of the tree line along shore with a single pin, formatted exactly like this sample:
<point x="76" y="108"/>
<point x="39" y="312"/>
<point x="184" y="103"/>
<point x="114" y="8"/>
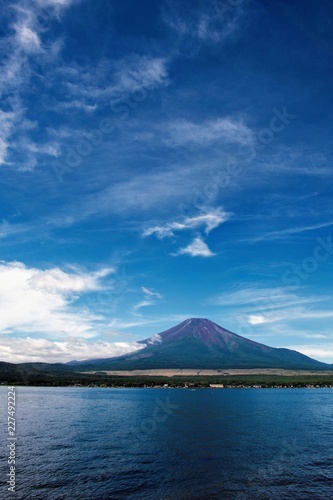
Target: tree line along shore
<point x="234" y="381"/>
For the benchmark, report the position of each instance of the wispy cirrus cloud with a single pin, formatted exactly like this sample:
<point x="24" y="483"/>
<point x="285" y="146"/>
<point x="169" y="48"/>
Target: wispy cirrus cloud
<point x="27" y="39"/>
<point x="150" y="293"/>
<point x="83" y="87"/>
<point x="57" y="3"/>
<point x="21" y="49"/>
<point x="292" y="230"/>
<point x="209" y="220"/>
<point x="151" y="298"/>
<point x="110" y="81"/>
<point x="254" y="296"/>
<point x="136" y="71"/>
<point x="264" y="305"/>
<point x="7" y="123"/>
<point x="289" y="313"/>
<point x="7" y="229"/>
<point x="161" y="322"/>
<point x="226" y="129"/>
<point x="155" y="190"/>
<point x="214" y="22"/>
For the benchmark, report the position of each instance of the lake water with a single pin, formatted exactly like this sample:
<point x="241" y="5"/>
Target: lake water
<point x="80" y="443"/>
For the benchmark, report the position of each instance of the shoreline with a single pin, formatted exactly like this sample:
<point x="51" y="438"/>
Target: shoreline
<point x="195" y="372"/>
<point x="213" y="387"/>
<point x="187" y="379"/>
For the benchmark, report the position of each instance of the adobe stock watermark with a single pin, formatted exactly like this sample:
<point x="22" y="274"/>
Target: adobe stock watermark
<point x="11" y="445"/>
<point x="274" y="468"/>
<point x="309" y="265"/>
<point x="105" y="301"/>
<point x="234" y="167"/>
<point x="74" y="155"/>
<point x="161" y="412"/>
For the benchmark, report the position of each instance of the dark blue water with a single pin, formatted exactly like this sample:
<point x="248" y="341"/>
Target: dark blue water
<point x="78" y="443"/>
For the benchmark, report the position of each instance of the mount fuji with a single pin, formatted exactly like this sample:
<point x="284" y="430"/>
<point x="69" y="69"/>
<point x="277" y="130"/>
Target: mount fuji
<point x="200" y="343"/>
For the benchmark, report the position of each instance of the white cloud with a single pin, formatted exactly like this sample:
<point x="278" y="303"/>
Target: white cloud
<point x="152" y="190"/>
<point x="284" y="307"/>
<point x="226" y="129"/>
<point x="291" y="313"/>
<point x="3" y="150"/>
<point x="44" y="300"/>
<point x="49" y="148"/>
<point x="151" y="293"/>
<point x="7" y="230"/>
<point x="210" y="219"/>
<point x="140" y="71"/>
<point x="28" y="39"/>
<point x="75" y="103"/>
<point x="256" y="319"/>
<point x="198" y="248"/>
<point x="160" y="322"/>
<point x="25" y="350"/>
<point x="8" y="122"/>
<point x="292" y="230"/>
<point x="214" y="22"/>
<point x="154" y="339"/>
<point x="13" y="76"/>
<point x="323" y="353"/>
<point x="63" y="3"/>
<point x="95" y="87"/>
<point x="150" y="299"/>
<point x="164" y="231"/>
<point x="22" y="48"/>
<point x="55" y="280"/>
<point x="142" y="303"/>
<point x="262" y="298"/>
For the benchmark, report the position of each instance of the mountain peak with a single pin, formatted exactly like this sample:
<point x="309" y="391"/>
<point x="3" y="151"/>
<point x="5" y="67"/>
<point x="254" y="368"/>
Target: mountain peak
<point x="198" y="320"/>
<point x="201" y="329"/>
<point x="201" y="343"/>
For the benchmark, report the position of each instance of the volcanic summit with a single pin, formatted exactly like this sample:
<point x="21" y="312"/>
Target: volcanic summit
<point x="200" y="343"/>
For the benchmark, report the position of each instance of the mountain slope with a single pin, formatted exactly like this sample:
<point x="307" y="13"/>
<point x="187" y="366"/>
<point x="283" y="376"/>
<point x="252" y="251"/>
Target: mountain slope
<point x="200" y="343"/>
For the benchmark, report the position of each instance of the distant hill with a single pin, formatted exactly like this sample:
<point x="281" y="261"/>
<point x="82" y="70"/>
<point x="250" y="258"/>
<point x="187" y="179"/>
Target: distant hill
<point x="200" y="343"/>
<point x="33" y="372"/>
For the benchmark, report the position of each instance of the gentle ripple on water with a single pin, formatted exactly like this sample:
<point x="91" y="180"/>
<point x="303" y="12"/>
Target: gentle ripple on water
<point x="80" y="443"/>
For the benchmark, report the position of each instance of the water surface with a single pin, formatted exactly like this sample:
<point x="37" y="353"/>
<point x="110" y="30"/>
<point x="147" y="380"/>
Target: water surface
<point x="80" y="443"/>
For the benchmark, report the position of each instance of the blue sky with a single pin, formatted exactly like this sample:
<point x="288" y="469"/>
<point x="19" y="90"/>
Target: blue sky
<point x="161" y="160"/>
